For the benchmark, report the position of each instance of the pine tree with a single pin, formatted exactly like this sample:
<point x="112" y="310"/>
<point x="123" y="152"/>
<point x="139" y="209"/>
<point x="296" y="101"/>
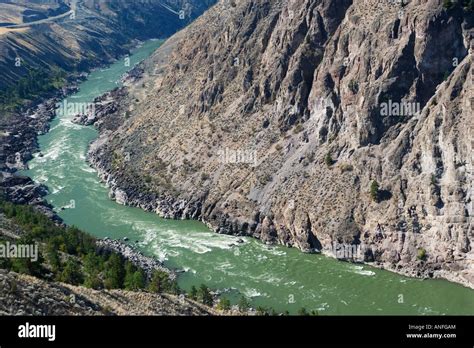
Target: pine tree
<point x="205" y="296"/>
<point x="374" y="191"/>
<point x="160" y="282"/>
<point x="193" y="294"/>
<point x="71" y="273"/>
<point x="328" y="160"/>
<point x="114" y="272"/>
<point x="243" y="304"/>
<point x="224" y="304"/>
<point x="52" y="256"/>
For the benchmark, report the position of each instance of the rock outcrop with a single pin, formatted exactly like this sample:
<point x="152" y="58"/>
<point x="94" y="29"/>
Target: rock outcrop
<point x="18" y="143"/>
<point x="129" y="253"/>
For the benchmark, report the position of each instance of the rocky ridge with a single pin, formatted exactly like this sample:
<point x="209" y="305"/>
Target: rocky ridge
<point x="18" y="145"/>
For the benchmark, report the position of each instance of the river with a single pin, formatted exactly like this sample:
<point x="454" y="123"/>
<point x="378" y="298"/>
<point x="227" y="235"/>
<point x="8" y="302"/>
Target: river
<point x="270" y="276"/>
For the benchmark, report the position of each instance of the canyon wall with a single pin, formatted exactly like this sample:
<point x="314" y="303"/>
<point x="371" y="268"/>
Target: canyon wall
<point x="309" y="123"/>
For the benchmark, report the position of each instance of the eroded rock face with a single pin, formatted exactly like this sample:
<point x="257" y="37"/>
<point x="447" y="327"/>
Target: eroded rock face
<point x="274" y="118"/>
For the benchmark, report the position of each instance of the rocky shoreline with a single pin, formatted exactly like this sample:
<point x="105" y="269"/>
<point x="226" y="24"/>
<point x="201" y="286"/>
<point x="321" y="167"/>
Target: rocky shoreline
<point x="169" y="207"/>
<point x="398" y="189"/>
<point x="20" y="143"/>
<point x="179" y="210"/>
<point x="419" y="272"/>
<point x="148" y="264"/>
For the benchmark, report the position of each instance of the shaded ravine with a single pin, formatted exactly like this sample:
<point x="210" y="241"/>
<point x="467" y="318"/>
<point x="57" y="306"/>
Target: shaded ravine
<point x="271" y="276"/>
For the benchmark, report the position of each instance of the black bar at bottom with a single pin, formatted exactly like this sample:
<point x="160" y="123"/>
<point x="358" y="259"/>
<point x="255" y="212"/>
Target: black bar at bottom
<point x="291" y="331"/>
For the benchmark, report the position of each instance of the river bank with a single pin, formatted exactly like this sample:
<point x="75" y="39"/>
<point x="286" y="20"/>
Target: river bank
<point x="128" y="192"/>
<point x="168" y="208"/>
<point x="267" y="276"/>
<point x="148" y="264"/>
<point x="19" y="141"/>
<point x="20" y="145"/>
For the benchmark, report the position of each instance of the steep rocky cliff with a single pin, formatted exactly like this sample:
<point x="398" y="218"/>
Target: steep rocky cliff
<point x="309" y="123"/>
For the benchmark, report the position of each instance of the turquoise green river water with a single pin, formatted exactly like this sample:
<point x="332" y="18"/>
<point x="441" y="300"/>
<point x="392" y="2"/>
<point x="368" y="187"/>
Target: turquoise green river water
<point x="277" y="277"/>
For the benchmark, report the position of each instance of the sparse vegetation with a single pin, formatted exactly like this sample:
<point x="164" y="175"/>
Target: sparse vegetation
<point x="148" y="179"/>
<point x="265" y="179"/>
<point x="304" y="312"/>
<point x="262" y="311"/>
<point x="204" y="295"/>
<point x="188" y="167"/>
<point x="244" y="304"/>
<point x="374" y="191"/>
<point x="448" y="4"/>
<point x="354" y="86"/>
<point x="117" y="160"/>
<point x="468" y="5"/>
<point x="298" y="128"/>
<point x="421" y="254"/>
<point x="344" y="167"/>
<point x="328" y="160"/>
<point x="193" y="294"/>
<point x="224" y="304"/>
